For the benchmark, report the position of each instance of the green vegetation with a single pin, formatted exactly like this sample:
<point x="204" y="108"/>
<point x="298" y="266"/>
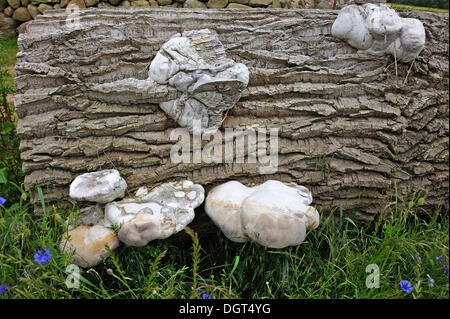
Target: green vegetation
<point x="331" y="263"/>
<point x="408" y="7"/>
<point x="8" y="51"/>
<point x="439" y="4"/>
<point x="11" y="176"/>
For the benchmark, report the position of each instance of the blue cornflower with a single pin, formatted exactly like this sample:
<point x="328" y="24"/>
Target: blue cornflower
<point x="42" y="258"/>
<point x="406" y="286"/>
<point x="3" y="288"/>
<point x="205" y="296"/>
<point x="2" y="201"/>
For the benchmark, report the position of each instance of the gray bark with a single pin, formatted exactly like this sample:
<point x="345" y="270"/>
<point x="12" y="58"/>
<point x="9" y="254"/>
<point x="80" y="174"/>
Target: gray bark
<point x="353" y="128"/>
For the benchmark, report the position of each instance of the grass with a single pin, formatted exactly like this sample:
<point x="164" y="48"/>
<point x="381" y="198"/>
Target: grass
<point x="335" y="261"/>
<point x="11" y="177"/>
<point x="408" y="7"/>
<point x="8" y="58"/>
<point x="332" y="263"/>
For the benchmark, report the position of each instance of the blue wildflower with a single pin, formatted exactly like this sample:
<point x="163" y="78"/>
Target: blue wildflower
<point x="205" y="296"/>
<point x="418" y="257"/>
<point x="406" y="286"/>
<point x="42" y="258"/>
<point x="446" y="270"/>
<point x="440" y="259"/>
<point x="2" y="201"/>
<point x="3" y="288"/>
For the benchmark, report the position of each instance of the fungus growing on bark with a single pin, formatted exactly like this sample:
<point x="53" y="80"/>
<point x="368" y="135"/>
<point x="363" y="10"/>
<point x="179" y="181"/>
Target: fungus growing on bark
<point x="100" y="187"/>
<point x="377" y="29"/>
<point x="89" y="244"/>
<point x="273" y="214"/>
<point x="209" y="82"/>
<point x="158" y="214"/>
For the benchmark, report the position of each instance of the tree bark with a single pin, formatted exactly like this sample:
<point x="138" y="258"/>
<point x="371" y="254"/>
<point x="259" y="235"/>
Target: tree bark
<point x="354" y="129"/>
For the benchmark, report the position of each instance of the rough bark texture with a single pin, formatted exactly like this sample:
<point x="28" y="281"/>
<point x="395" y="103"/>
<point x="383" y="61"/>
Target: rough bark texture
<point x="350" y="128"/>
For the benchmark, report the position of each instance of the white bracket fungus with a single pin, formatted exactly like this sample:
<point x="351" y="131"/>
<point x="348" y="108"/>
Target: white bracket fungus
<point x="158" y="214"/>
<point x="89" y="244"/>
<point x="273" y="214"/>
<point x="206" y="82"/>
<point x="209" y="83"/>
<point x="101" y="187"/>
<point x="377" y="29"/>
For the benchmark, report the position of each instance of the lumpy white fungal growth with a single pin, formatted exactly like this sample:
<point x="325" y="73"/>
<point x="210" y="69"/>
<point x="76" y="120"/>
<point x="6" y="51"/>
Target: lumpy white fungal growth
<point x="157" y="214"/>
<point x="101" y="187"/>
<point x="209" y="83"/>
<point x="273" y="214"/>
<point x="149" y="215"/>
<point x="206" y="81"/>
<point x="377" y="29"/>
<point x="89" y="244"/>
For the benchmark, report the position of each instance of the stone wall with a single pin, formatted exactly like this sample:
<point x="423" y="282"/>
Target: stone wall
<point x="14" y="14"/>
<point x="353" y="128"/>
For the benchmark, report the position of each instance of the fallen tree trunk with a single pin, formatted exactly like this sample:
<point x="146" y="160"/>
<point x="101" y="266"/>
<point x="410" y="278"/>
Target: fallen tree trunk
<point x="352" y="128"/>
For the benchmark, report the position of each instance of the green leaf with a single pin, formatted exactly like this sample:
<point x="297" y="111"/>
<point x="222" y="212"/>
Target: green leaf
<point x="15" y="207"/>
<point x="3" y="175"/>
<point x="7" y="128"/>
<point x="236" y="262"/>
<point x="350" y="221"/>
<point x="41" y="197"/>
